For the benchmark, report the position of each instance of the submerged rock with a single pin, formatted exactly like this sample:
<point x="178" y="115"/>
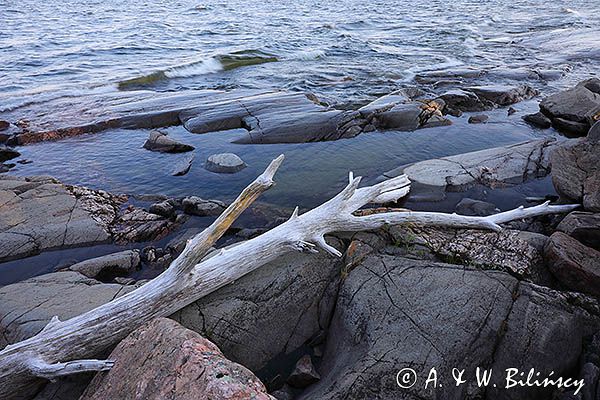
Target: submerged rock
<point x="171" y="362"/>
<point x="225" y="163"/>
<point x="467" y="206"/>
<point x="8" y="153"/>
<point x="183" y="166"/>
<point x="122" y="263"/>
<point x="538" y="119"/>
<point x="395" y="313"/>
<point x="159" y="141"/>
<point x="478" y="119"/>
<point x="165" y="208"/>
<point x="197" y="206"/>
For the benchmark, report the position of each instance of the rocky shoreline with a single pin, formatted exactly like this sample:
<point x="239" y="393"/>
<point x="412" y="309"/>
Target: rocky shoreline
<point x="314" y="326"/>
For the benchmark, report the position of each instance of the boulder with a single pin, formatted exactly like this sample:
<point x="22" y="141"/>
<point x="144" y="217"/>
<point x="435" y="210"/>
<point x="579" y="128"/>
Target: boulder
<point x="464" y="100"/>
<point x="571" y="127"/>
<point x="393" y="313"/>
<point x="496" y="167"/>
<point x="571" y="104"/>
<point x="583" y="226"/>
<point x="138" y="225"/>
<point x="594" y="133"/>
<point x="109" y="266"/>
<point x="576" y="172"/>
<point x="165" y="208"/>
<point x="478" y="119"/>
<point x="8" y="153"/>
<point x="575" y="266"/>
<point x="38" y="214"/>
<point x="159" y="141"/>
<point x="538" y="120"/>
<point x="472" y="207"/>
<point x="4" y="125"/>
<point x="29" y="305"/>
<point x="183" y="166"/>
<point x="171" y="362"/>
<point x="196" y="206"/>
<point x="225" y="163"/>
<point x="270" y="312"/>
<point x="304" y="373"/>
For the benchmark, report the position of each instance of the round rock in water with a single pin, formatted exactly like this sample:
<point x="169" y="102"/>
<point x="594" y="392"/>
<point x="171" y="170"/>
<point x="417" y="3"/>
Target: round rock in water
<point x="226" y="163"/>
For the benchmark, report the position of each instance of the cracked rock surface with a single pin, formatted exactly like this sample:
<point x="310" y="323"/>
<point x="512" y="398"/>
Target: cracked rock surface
<point x="496" y="167"/>
<point x="394" y="313"/>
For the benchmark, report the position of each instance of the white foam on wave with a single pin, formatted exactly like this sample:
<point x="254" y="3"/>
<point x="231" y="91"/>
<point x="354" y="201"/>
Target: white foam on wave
<point x="308" y="55"/>
<point x="203" y="67"/>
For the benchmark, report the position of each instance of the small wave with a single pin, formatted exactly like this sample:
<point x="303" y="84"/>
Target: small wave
<point x="211" y="65"/>
<point x="570" y="11"/>
<point x="308" y="55"/>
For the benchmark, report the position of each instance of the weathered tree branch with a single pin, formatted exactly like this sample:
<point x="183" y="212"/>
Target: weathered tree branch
<point x="58" y="348"/>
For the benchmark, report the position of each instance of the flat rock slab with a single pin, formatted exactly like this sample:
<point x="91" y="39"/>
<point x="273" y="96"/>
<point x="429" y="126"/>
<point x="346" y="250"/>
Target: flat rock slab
<point x="44" y="214"/>
<point x="394" y="313"/>
<point x="171" y="362"/>
<point x="496" y="167"/>
<point x="29" y="305"/>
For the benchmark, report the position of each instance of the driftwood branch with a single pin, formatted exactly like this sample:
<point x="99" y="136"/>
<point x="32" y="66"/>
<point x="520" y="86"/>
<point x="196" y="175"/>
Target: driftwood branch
<point x="61" y="348"/>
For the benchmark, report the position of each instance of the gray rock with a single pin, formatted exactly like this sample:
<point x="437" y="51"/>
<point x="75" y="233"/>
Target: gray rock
<point x="394" y="313"/>
<point x="29" y="305"/>
<point x="122" y="263"/>
<point x="8" y="153"/>
<point x="464" y="100"/>
<point x="576" y="172"/>
<point x="137" y="225"/>
<point x="575" y="266"/>
<point x="503" y="95"/>
<point x="196" y="206"/>
<point x="274" y="310"/>
<point x="589" y="373"/>
<point x="572" y="104"/>
<point x="571" y="127"/>
<point x="165" y="208"/>
<point x="39" y="214"/>
<point x="538" y="119"/>
<point x="285" y="393"/>
<point x="225" y="163"/>
<point x="498" y="166"/>
<point x="478" y="119"/>
<point x="183" y="166"/>
<point x="509" y="251"/>
<point x="583" y="226"/>
<point x="467" y="206"/>
<point x="304" y="373"/>
<point x="159" y="141"/>
<point x="594" y="132"/>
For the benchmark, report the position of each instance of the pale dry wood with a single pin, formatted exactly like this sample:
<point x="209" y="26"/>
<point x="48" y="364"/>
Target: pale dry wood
<point x="57" y="350"/>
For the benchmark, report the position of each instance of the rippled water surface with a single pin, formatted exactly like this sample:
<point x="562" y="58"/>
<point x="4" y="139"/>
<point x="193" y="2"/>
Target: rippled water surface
<point x="346" y="51"/>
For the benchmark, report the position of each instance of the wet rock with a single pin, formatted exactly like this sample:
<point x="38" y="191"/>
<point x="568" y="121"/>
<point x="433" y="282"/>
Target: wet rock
<point x="196" y="206"/>
<point x="573" y="264"/>
<point x="276" y="308"/>
<point x="538" y="119"/>
<point x="304" y="373"/>
<point x="503" y="95"/>
<point x="571" y="104"/>
<point x="496" y="167"/>
<point x="225" y="163"/>
<point x="571" y="127"/>
<point x="404" y="117"/>
<point x="463" y="100"/>
<point x="410" y="314"/>
<point x="137" y="225"/>
<point x="4" y="125"/>
<point x="576" y="172"/>
<point x="159" y="141"/>
<point x="183" y="166"/>
<point x="515" y="252"/>
<point x="165" y="208"/>
<point x="467" y="206"/>
<point x="511" y="111"/>
<point x="29" y="305"/>
<point x="8" y="153"/>
<point x="583" y="226"/>
<point x="175" y="363"/>
<point x="594" y="133"/>
<point x="478" y="119"/>
<point x="40" y="214"/>
<point x="101" y="268"/>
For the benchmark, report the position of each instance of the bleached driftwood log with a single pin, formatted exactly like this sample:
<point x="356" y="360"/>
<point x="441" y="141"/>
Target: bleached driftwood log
<point x="62" y="346"/>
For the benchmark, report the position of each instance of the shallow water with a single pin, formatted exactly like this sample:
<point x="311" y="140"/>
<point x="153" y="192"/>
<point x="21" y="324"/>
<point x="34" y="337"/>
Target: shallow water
<point x="345" y="51"/>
